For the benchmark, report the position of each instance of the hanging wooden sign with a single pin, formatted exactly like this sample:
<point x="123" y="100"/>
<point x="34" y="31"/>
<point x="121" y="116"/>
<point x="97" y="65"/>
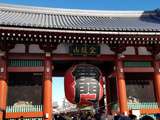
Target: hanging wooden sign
<point x="84" y="50"/>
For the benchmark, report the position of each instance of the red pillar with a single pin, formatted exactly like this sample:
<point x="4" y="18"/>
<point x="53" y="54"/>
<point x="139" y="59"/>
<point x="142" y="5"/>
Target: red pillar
<point x="157" y="80"/>
<point x="108" y="97"/>
<point x="3" y="85"/>
<point x="101" y="105"/>
<point x="121" y="87"/>
<point x="47" y="88"/>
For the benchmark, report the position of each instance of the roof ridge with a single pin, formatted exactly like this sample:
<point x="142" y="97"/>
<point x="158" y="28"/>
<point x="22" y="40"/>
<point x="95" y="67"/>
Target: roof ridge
<point x="80" y="12"/>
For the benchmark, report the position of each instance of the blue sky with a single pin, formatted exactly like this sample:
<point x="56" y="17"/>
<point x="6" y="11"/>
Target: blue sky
<point x="92" y="4"/>
<point x="58" y="89"/>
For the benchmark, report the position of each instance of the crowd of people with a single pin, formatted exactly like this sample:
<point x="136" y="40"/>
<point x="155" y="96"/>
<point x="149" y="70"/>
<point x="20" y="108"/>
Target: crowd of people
<point x="101" y="116"/>
<point x="83" y="115"/>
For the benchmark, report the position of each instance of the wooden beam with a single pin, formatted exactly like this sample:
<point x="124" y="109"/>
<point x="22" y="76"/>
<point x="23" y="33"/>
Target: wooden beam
<point x="25" y="56"/>
<point x="64" y="57"/>
<point x="67" y="57"/>
<point x="150" y="111"/>
<point x="23" y="114"/>
<point x="138" y="69"/>
<point x="102" y="57"/>
<point x="129" y="38"/>
<point x="25" y="69"/>
<point x="138" y="57"/>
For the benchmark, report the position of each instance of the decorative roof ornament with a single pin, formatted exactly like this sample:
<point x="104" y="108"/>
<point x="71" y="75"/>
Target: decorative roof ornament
<point x="156" y="16"/>
<point x="157" y="11"/>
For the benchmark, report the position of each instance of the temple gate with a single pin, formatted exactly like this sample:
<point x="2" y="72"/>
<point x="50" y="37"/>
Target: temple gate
<point x="38" y="44"/>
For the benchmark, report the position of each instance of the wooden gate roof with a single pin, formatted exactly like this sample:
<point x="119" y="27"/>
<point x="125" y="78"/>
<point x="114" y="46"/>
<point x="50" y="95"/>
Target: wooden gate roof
<point x="50" y="18"/>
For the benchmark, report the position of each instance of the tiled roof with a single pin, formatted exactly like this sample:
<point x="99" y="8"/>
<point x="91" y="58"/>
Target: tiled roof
<point x="49" y="18"/>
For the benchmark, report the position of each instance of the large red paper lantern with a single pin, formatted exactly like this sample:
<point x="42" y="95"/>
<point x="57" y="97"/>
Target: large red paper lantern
<point x="83" y="84"/>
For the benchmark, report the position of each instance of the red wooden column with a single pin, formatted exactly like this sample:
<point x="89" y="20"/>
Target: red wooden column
<point x="121" y="87"/>
<point x="47" y="82"/>
<point x="101" y="105"/>
<point x="3" y="85"/>
<point x="157" y="80"/>
<point x="108" y="97"/>
<point x="155" y="49"/>
<point x="47" y="87"/>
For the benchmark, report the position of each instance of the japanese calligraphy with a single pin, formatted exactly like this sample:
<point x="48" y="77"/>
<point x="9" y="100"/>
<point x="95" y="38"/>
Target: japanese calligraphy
<point x="84" y="50"/>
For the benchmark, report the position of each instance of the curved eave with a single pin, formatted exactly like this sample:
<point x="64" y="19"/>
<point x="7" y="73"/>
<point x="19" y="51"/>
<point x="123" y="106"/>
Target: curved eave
<point x="57" y="36"/>
<point x="86" y="31"/>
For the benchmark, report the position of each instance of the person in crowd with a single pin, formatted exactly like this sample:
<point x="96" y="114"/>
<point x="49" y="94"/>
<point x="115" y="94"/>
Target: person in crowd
<point x="97" y="116"/>
<point x="103" y="116"/>
<point x="82" y="116"/>
<point x="146" y="117"/>
<point x="133" y="117"/>
<point x="88" y="116"/>
<point x="123" y="117"/>
<point x="157" y="116"/>
<point x="116" y="116"/>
